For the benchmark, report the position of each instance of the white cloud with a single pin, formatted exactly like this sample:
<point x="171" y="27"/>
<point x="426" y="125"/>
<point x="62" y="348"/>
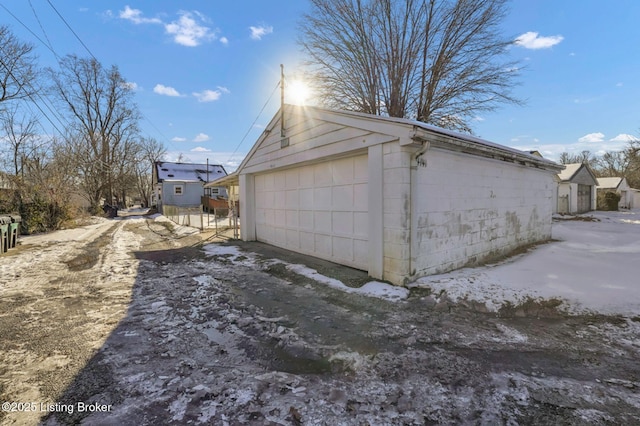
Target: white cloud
<point x="201" y="137"/>
<point x="179" y="139"/>
<point x="592" y="137"/>
<point x="224" y="40"/>
<point x="187" y="31"/>
<point x="623" y="137"/>
<point x="258" y="32"/>
<point x="207" y="95"/>
<point x="131" y="85"/>
<point x="166" y="90"/>
<point x="135" y="16"/>
<point x="224" y="89"/>
<point x="619" y="84"/>
<point x="532" y="40"/>
<point x="200" y="149"/>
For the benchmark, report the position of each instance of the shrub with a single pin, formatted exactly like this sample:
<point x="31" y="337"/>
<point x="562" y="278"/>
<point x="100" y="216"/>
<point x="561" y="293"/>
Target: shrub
<point x="608" y="201"/>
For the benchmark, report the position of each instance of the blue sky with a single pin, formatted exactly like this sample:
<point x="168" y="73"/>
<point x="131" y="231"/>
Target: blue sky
<point x="203" y="70"/>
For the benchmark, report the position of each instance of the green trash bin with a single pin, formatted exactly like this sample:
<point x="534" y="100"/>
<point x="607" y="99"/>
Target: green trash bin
<point x="14" y="229"/>
<point x="4" y="233"/>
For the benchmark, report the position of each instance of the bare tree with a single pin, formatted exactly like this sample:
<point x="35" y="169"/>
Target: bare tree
<point x="585" y="157"/>
<point x="20" y="138"/>
<point x="104" y="121"/>
<point x="149" y="152"/>
<point x="17" y="67"/>
<point x="440" y="61"/>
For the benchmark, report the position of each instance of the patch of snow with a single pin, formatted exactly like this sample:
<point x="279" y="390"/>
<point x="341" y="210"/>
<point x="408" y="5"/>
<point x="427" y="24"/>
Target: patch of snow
<point x="371" y="289"/>
<point x="592" y="267"/>
<point x="512" y="334"/>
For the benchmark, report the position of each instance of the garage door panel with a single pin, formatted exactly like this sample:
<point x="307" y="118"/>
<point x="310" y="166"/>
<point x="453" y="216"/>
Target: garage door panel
<point x="342" y="247"/>
<point x="291" y="179"/>
<point x="292" y="200"/>
<point x="342" y="223"/>
<point x="342" y="197"/>
<point x="322" y="174"/>
<point x="322" y="222"/>
<point x="322" y="198"/>
<point x="361" y="197"/>
<point x="361" y="224"/>
<point x="307" y="241"/>
<point x="279" y="220"/>
<point x="322" y="245"/>
<point x="342" y="171"/>
<point x="306" y="198"/>
<point x="321" y="210"/>
<point x="292" y="238"/>
<point x="360" y="251"/>
<point x="305" y="220"/>
<point x="361" y="169"/>
<point x="291" y="219"/>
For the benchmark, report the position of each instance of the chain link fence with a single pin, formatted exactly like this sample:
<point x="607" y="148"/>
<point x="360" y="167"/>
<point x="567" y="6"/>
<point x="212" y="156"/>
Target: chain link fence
<point x="218" y="219"/>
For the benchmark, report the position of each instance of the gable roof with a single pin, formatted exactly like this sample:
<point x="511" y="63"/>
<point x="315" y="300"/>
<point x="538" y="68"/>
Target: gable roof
<point x="574" y="170"/>
<point x="410" y="130"/>
<point x="187" y="172"/>
<point x="609" y="182"/>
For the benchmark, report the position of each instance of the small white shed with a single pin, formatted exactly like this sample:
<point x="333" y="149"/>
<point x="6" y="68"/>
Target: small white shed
<point x="394" y="197"/>
<point x="620" y="186"/>
<point x="576" y="189"/>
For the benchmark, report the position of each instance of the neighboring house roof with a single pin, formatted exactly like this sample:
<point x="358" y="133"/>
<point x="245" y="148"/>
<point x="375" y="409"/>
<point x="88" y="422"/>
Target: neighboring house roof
<point x="609" y="182"/>
<point x="188" y="172"/>
<point x="578" y="170"/>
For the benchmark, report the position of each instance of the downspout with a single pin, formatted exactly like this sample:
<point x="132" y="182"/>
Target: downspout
<point x="416" y="160"/>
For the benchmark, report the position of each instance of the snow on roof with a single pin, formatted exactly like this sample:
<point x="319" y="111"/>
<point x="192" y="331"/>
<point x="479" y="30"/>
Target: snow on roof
<point x="569" y="171"/>
<point x="188" y="172"/>
<point x="450" y="133"/>
<point x="609" y="182"/>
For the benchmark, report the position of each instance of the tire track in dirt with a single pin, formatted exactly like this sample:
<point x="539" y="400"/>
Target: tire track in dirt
<point x="47" y="295"/>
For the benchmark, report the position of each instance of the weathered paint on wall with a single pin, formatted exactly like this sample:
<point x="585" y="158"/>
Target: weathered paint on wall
<point x="470" y="209"/>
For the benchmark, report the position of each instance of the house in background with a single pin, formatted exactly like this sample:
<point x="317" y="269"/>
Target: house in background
<point x="397" y="198"/>
<point x="620" y="186"/>
<point x="181" y="184"/>
<point x="576" y="189"/>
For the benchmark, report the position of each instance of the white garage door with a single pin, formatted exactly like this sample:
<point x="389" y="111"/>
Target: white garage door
<point x="319" y="209"/>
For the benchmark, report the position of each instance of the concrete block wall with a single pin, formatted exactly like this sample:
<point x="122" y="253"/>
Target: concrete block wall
<point x="470" y="209"/>
<point x="396" y="194"/>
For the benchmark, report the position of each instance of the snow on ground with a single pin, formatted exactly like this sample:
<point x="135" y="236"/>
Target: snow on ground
<point x="593" y="267"/>
<point x="371" y="289"/>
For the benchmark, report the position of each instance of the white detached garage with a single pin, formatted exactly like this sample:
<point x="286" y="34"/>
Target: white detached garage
<point x="397" y="198"/>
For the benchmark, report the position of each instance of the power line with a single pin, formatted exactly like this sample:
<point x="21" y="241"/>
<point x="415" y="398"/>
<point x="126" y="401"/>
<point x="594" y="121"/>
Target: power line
<point x="42" y="28"/>
<point x="72" y="31"/>
<point x="254" y="121"/>
<point x="29" y="29"/>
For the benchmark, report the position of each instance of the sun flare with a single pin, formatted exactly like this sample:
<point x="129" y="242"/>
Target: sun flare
<point x="298" y="92"/>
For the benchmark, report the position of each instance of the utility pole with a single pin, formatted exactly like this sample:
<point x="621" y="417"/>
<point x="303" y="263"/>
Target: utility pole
<point x="282" y="132"/>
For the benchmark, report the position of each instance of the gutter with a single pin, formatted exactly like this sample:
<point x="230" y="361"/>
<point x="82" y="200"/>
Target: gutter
<point x="483" y="149"/>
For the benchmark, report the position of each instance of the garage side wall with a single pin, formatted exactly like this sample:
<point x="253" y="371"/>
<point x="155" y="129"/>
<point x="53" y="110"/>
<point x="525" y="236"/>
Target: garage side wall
<point x="470" y="209"/>
<point x="396" y="212"/>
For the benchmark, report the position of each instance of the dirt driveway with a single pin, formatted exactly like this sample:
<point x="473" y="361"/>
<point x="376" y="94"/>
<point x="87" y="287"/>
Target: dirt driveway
<point x="135" y="321"/>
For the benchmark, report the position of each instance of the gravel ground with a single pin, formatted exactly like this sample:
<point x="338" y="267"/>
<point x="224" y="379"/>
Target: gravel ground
<point x="138" y="322"/>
